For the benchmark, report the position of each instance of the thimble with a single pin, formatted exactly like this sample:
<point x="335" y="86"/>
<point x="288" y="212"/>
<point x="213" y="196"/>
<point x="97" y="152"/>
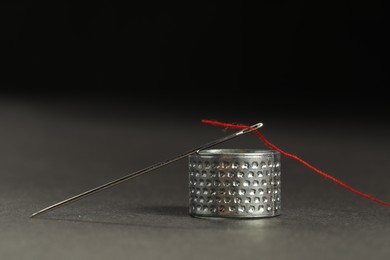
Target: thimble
<point x="235" y="183"/>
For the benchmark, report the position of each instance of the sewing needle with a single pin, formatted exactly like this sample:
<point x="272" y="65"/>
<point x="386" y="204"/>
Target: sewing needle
<point x="145" y="170"/>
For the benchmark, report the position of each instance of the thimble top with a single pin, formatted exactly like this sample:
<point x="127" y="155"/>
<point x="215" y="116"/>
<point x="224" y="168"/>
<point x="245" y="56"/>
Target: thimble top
<point x="237" y="152"/>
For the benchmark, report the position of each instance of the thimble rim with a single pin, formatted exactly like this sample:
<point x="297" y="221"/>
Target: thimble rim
<point x="236" y="152"/>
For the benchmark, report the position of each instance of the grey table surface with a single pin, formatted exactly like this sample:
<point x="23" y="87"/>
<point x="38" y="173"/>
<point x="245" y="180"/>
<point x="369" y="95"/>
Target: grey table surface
<point x="48" y="153"/>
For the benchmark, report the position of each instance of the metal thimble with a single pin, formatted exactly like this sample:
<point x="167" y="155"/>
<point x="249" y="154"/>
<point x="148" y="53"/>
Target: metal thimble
<point x="235" y="183"/>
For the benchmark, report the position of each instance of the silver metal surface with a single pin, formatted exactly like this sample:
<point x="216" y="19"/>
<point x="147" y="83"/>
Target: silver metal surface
<point x="235" y="183"/>
<point x="145" y="170"/>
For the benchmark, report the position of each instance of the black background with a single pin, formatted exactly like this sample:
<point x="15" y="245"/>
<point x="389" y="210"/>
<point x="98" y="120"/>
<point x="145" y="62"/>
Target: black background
<point x="93" y="91"/>
<point x="288" y="58"/>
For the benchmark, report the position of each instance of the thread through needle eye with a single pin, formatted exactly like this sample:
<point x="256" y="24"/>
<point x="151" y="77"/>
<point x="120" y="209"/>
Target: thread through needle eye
<point x="145" y="170"/>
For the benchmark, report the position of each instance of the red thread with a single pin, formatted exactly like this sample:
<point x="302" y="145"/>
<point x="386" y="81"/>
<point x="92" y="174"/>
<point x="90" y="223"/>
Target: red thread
<point x="269" y="144"/>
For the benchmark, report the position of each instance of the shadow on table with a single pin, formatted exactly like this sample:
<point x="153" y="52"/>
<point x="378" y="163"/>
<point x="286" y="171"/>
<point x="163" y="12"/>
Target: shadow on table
<point x="176" y="217"/>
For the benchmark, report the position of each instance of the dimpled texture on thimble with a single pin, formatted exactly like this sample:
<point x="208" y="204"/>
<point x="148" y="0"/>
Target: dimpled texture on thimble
<point x="235" y="186"/>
